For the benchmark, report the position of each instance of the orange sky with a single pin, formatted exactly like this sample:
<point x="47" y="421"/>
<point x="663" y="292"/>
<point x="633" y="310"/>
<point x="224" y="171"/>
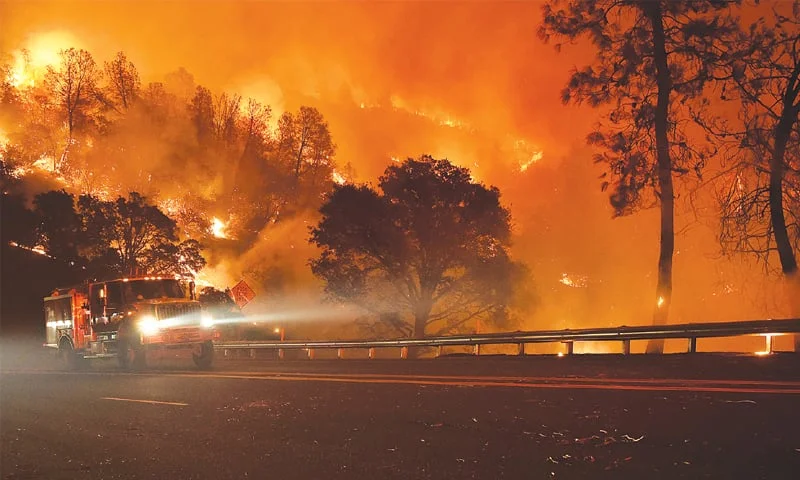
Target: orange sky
<point x="416" y="67"/>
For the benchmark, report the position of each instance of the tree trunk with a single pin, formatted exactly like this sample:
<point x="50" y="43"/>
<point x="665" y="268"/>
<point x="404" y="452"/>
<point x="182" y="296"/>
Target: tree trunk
<point x="786" y="254"/>
<point x="664" y="166"/>
<point x="421" y="315"/>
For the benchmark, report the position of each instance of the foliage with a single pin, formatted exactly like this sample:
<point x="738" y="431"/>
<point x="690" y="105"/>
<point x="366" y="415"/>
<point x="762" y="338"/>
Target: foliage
<point x="427" y="253"/>
<point x="759" y="189"/>
<point x="127" y="236"/>
<point x="98" y="127"/>
<point x="623" y="78"/>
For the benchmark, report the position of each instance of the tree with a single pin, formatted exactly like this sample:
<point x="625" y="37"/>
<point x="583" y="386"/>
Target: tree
<point x="73" y="84"/>
<point x="760" y="198"/>
<point x="427" y="250"/>
<point x="652" y="57"/>
<point x="123" y="81"/>
<point x="59" y="225"/>
<point x="305" y="147"/>
<point x="141" y="237"/>
<point x="18" y="222"/>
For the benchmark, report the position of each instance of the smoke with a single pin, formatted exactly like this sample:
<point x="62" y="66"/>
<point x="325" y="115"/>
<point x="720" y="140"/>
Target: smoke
<point x="467" y="81"/>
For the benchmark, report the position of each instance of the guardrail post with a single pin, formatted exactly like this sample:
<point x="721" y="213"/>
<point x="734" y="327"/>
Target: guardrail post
<point x="438" y="351"/>
<point x="252" y="353"/>
<point x="311" y="354"/>
<point x="570" y="347"/>
<point x="693" y="345"/>
<point x="626" y="347"/>
<point x="371" y="353"/>
<point x="340" y="353"/>
<point x="281" y="354"/>
<point x="476" y="349"/>
<point x="768" y="337"/>
<point x="404" y="352"/>
<point x="521" y="349"/>
<point x="225" y="353"/>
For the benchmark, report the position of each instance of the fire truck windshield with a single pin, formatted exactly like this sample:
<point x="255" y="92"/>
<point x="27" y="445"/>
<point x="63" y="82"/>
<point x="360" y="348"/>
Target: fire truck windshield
<point x="152" y="289"/>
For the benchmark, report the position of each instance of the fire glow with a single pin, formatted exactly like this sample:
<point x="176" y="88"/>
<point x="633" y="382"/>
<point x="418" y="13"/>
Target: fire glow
<point x="218" y="228"/>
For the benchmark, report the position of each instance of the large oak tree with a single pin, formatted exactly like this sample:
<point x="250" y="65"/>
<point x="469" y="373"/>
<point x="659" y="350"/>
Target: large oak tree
<point x="426" y="251"/>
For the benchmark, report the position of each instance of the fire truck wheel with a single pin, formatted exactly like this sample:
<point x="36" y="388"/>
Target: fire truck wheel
<point x="206" y="356"/>
<point x="66" y="354"/>
<point x="131" y="355"/>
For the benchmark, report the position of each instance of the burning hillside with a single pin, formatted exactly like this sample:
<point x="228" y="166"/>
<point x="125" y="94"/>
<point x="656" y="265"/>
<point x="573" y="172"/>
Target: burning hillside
<point x="240" y="118"/>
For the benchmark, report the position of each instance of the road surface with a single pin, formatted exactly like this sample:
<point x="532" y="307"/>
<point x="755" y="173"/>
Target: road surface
<point x="437" y="419"/>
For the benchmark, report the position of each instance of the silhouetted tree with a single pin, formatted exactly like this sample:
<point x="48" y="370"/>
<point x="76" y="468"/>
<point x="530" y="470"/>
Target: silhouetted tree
<point x="202" y="113"/>
<point x="760" y="195"/>
<point x="123" y="81"/>
<point x="429" y="249"/>
<point x="59" y="228"/>
<point x="18" y="222"/>
<point x="141" y="236"/>
<point x="651" y="59"/>
<point x="73" y="85"/>
<point x="305" y="146"/>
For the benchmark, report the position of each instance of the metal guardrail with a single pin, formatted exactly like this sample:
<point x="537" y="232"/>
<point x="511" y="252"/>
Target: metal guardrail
<point x="691" y="332"/>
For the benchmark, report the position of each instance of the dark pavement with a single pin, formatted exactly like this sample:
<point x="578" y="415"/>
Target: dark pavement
<point x="448" y="418"/>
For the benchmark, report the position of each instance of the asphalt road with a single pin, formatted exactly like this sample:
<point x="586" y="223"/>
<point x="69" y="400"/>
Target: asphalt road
<point x="437" y="419"/>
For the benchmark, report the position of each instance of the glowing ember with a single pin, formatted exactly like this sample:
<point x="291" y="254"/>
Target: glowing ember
<point x="218" y="228"/>
<point x="574" y="281"/>
<point x="170" y="205"/>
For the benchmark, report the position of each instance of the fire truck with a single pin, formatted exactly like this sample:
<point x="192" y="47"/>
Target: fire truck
<point x="124" y="319"/>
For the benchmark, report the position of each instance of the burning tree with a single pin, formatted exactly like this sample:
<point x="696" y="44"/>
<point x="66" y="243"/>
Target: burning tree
<point x="652" y="58"/>
<point x="426" y="254"/>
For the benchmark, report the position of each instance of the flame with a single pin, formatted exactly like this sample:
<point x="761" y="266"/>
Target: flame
<point x="660" y="302"/>
<point x="338" y="178"/>
<point x="523" y="166"/>
<point x="30" y="62"/>
<point x="218" y="228"/>
<point x="170" y="206"/>
<point x="37" y="249"/>
<point x="574" y="281"/>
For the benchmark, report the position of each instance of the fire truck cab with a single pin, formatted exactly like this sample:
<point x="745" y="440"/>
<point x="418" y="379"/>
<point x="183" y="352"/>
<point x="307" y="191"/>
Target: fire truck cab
<point x="124" y="318"/>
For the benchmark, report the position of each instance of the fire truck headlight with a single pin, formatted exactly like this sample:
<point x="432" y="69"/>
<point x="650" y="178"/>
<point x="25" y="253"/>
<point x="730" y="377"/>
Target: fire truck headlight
<point x="206" y="320"/>
<point x="148" y="325"/>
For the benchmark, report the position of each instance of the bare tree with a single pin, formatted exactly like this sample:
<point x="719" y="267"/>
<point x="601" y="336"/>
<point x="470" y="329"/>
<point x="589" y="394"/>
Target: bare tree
<point x="227" y="111"/>
<point x="650" y="61"/>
